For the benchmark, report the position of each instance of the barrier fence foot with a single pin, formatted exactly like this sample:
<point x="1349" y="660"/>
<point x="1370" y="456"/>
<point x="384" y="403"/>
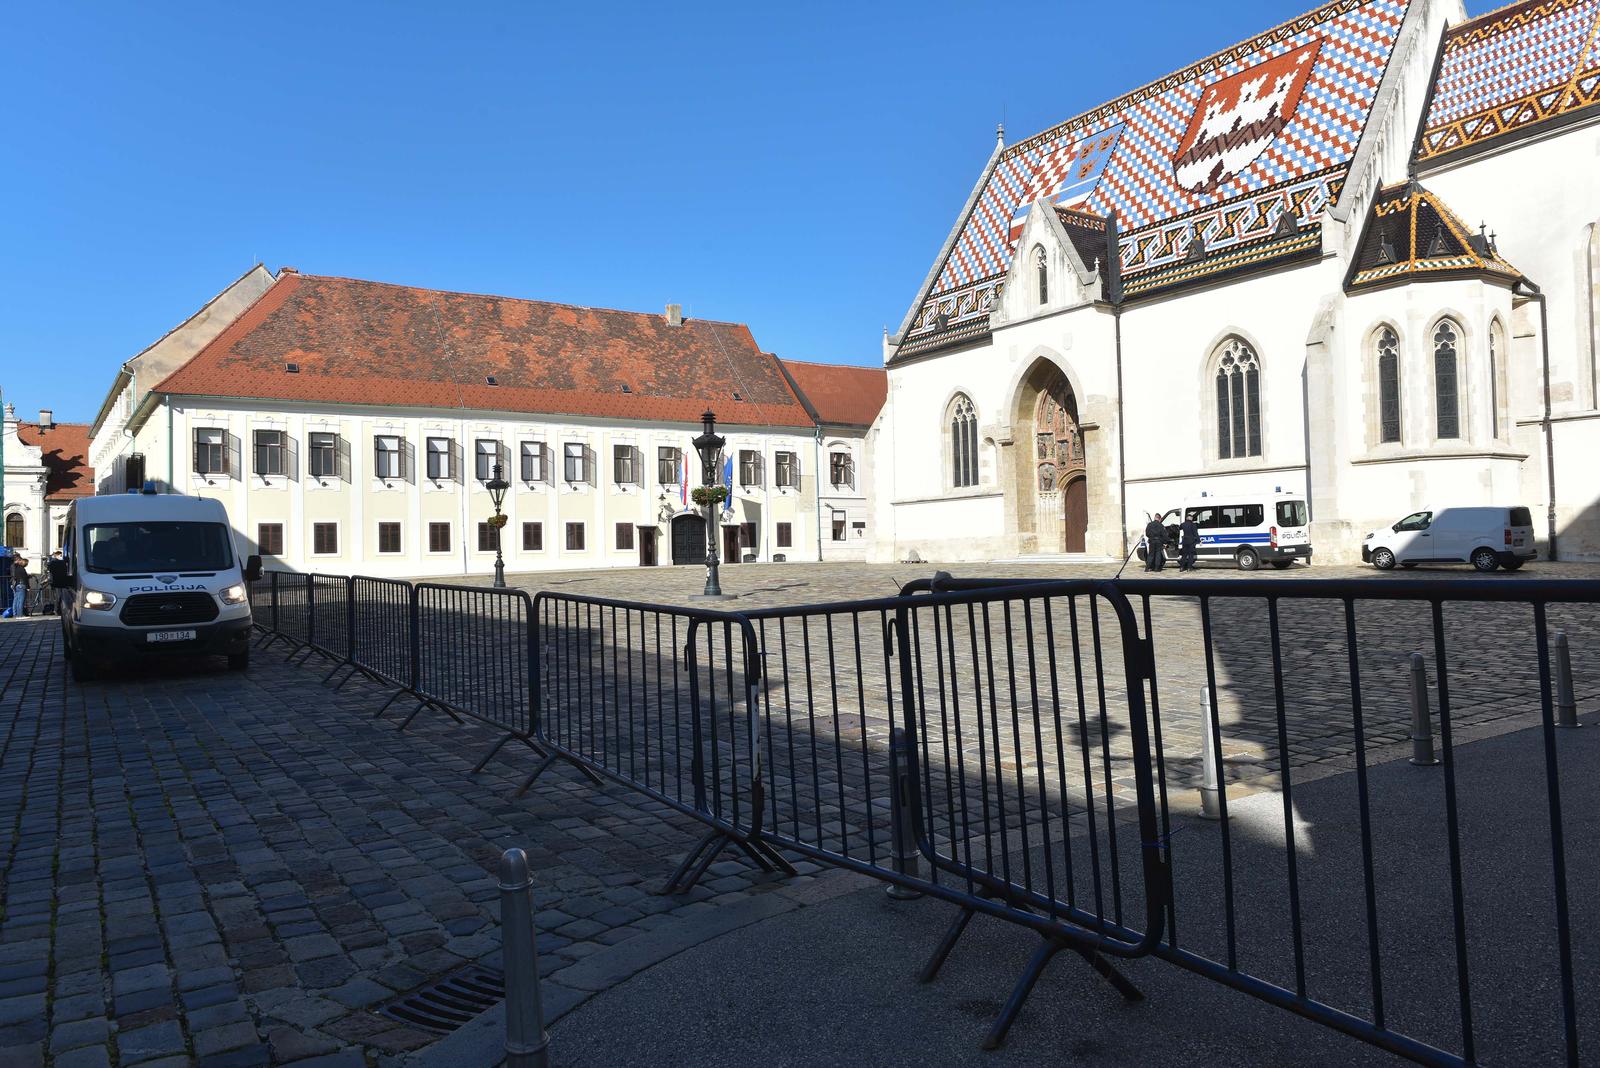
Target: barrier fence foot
<point x="550" y="758"/>
<point x="492" y="751"/>
<point x="336" y="669"/>
<point x="392" y="699"/>
<point x="1019" y="993"/>
<point x="946" y="944"/>
<point x="757" y="849"/>
<point x="1110" y="974"/>
<point x="413" y="715"/>
<point x="695" y="864"/>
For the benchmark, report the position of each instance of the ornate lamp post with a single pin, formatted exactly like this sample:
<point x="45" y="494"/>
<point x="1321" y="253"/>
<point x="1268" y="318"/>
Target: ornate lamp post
<point x="497" y="487"/>
<point x="709" y="445"/>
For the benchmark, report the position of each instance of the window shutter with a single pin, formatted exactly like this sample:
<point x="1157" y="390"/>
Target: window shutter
<point x="345" y="466"/>
<point x="408" y="460"/>
<point x="195" y="462"/>
<point x="234" y="467"/>
<point x="458" y="467"/>
<point x="291" y="457"/>
<point x="546" y="458"/>
<point x="589" y="460"/>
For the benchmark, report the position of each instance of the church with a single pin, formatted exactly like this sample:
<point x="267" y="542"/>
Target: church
<point x="1354" y="257"/>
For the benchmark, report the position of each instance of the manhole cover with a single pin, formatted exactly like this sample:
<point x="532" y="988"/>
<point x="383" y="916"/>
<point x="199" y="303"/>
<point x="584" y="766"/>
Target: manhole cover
<point x="446" y="1004"/>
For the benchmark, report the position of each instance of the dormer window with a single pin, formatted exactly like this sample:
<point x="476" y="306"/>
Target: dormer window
<point x="1041" y="264"/>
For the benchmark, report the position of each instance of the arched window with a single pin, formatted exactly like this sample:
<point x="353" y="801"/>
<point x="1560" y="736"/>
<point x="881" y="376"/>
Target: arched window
<point x="1238" y="401"/>
<point x="1498" y="400"/>
<point x="1041" y="264"/>
<point x="15" y="528"/>
<point x="1388" y="386"/>
<point x="1446" y="391"/>
<point x="963" y="442"/>
<point x="1058" y="441"/>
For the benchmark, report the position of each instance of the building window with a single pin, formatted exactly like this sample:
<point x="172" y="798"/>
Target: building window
<point x="625" y="537"/>
<point x="440" y="468"/>
<point x="747" y="536"/>
<point x="269" y="539"/>
<point x="788" y="470"/>
<point x="1238" y="401"/>
<point x="667" y="460"/>
<point x="1498" y="399"/>
<point x="388" y="537"/>
<point x="532" y="461"/>
<point x="322" y="460"/>
<point x="573" y="456"/>
<point x="624" y="465"/>
<point x="15" y="528"/>
<point x="842" y="470"/>
<point x="271" y="448"/>
<point x="386" y="456"/>
<point x="438" y="537"/>
<point x="785" y="535"/>
<point x="1446" y="396"/>
<point x="325" y="539"/>
<point x="1041" y="265"/>
<point x="749" y="467"/>
<point x="838" y="526"/>
<point x="210" y="451"/>
<point x="488" y="538"/>
<point x="487" y="455"/>
<point x="533" y="537"/>
<point x="963" y="442"/>
<point x="133" y="472"/>
<point x="574" y="537"/>
<point x="1388" y="386"/>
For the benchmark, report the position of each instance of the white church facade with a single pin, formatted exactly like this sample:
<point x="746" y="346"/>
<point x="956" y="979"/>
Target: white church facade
<point x="1267" y="272"/>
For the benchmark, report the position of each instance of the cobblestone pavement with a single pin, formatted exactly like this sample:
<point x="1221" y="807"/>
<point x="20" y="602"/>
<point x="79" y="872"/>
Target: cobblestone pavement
<point x="202" y="867"/>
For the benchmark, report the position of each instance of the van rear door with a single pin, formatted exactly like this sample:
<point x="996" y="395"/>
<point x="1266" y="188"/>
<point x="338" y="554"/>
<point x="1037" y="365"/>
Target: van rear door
<point x="1291" y="523"/>
<point x="1519" y="524"/>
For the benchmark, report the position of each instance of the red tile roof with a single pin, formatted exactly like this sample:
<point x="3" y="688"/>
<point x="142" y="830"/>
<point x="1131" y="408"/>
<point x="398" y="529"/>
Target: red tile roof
<point x="840" y="395"/>
<point x="359" y="342"/>
<point x="66" y="451"/>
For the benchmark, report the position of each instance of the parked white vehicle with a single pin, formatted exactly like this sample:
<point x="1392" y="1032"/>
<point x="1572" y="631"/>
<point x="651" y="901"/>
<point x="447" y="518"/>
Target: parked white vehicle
<point x="145" y="573"/>
<point x="1486" y="538"/>
<point x="1244" y="529"/>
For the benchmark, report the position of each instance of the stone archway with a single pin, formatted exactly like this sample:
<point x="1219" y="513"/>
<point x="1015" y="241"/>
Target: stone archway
<point x="1050" y="483"/>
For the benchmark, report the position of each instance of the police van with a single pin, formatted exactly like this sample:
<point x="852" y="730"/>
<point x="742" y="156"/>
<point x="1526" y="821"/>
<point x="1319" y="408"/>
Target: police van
<point x="1244" y="529"/>
<point x="145" y="574"/>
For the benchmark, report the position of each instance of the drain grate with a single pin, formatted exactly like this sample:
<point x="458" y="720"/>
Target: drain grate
<point x="446" y="1004"/>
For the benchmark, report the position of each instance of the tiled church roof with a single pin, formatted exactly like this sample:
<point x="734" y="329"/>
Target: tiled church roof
<point x="65" y="449"/>
<point x="1411" y="235"/>
<point x="1222" y="148"/>
<point x="356" y="342"/>
<point x="1512" y="72"/>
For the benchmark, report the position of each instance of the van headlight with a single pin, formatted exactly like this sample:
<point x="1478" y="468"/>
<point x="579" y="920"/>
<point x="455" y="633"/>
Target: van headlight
<point x="100" y="602"/>
<point x="234" y="594"/>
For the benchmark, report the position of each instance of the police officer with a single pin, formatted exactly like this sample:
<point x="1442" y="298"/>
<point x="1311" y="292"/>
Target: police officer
<point x="1155" y="544"/>
<point x="1189" y="533"/>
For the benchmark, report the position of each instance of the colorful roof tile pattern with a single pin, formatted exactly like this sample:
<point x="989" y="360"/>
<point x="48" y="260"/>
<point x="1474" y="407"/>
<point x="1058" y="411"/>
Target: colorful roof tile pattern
<point x="1412" y="236"/>
<point x="1226" y="145"/>
<point x="1511" y="71"/>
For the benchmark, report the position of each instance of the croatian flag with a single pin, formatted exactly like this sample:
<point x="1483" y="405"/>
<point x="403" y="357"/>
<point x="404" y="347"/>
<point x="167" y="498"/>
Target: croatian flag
<point x="727" y="480"/>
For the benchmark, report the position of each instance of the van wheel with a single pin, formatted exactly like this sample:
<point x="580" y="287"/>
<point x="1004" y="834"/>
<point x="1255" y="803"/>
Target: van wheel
<point x="239" y="661"/>
<point x="1383" y="559"/>
<point x="1485" y="559"/>
<point x="1248" y="559"/>
<point x="1282" y="565"/>
<point x="83" y="669"/>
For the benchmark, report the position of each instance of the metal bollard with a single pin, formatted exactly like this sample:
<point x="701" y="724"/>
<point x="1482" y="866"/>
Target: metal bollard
<point x="1210" y="774"/>
<point x="901" y="798"/>
<point x="527" y="1043"/>
<point x="1421" y="723"/>
<point x="1566" y="703"/>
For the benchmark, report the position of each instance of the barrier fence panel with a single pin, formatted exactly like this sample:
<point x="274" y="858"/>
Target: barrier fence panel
<point x="659" y="699"/>
<point x="1399" y="903"/>
<point x="293" y="599"/>
<point x="330" y="615"/>
<point x="381" y="621"/>
<point x="263" y="602"/>
<point x="473" y="654"/>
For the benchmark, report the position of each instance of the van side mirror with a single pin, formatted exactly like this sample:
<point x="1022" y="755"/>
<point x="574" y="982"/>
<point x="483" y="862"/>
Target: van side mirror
<point x="252" y="569"/>
<point x="60" y="575"/>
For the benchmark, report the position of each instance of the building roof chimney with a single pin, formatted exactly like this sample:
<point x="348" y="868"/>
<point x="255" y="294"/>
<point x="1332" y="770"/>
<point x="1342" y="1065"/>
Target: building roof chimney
<point x="674" y="314"/>
<point x="47" y="419"/>
<point x="288" y="270"/>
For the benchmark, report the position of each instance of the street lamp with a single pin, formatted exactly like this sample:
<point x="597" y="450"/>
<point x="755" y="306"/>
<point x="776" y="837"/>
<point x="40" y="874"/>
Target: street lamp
<point x="709" y="445"/>
<point x="497" y="487"/>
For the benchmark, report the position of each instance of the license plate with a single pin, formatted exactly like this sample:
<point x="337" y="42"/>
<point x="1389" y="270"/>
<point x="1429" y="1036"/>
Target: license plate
<point x="170" y="636"/>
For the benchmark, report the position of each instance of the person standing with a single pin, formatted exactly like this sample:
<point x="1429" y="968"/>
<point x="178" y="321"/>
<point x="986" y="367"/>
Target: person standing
<point x="19" y="587"/>
<point x="1155" y="544"/>
<point x="1189" y="539"/>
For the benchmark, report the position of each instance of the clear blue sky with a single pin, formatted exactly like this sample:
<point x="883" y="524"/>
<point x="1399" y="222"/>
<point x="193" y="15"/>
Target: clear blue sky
<point x="794" y="167"/>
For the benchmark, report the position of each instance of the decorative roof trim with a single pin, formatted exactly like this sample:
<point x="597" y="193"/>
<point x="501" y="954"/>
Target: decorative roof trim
<point x="1271" y="252"/>
<point x="1420" y="265"/>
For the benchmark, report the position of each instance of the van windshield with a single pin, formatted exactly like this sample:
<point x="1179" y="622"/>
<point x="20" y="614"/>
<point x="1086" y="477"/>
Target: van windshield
<point x="1291" y="513"/>
<point x="153" y="546"/>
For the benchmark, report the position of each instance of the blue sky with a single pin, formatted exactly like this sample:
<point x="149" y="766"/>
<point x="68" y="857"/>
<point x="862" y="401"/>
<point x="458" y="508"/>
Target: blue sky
<point x="795" y="167"/>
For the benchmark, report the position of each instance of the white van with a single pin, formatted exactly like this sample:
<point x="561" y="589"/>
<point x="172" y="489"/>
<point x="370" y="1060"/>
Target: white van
<point x="1486" y="538"/>
<point x="145" y="573"/>
<point x="1244" y="529"/>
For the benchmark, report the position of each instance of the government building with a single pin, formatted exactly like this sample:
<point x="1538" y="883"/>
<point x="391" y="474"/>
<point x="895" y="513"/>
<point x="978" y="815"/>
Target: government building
<point x="353" y="427"/>
<point x="1353" y="257"/>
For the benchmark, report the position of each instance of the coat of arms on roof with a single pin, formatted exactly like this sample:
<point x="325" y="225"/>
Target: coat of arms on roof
<point x="1239" y="116"/>
<point x="1066" y="176"/>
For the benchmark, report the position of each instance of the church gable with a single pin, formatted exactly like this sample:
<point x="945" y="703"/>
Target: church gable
<point x="1074" y="246"/>
<point x="1223" y="149"/>
<point x="1510" y="73"/>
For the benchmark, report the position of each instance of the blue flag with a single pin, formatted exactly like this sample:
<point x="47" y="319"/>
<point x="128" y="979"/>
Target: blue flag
<point x="727" y="480"/>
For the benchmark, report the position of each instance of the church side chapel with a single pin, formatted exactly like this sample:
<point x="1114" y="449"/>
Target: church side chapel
<point x="1353" y="259"/>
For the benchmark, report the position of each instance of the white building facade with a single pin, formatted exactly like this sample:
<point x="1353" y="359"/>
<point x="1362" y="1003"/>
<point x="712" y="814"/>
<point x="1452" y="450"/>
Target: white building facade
<point x="42" y="471"/>
<point x="1265" y="272"/>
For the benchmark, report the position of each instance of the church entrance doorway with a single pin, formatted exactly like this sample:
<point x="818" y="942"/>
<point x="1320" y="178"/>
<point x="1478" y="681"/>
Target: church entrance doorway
<point x="1075" y="514"/>
<point x="688" y="539"/>
<point x="1061" y="505"/>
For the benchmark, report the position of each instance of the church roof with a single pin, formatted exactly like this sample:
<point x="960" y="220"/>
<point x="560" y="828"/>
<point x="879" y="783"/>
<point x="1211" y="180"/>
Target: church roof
<point x="1412" y="236"/>
<point x="65" y="454"/>
<point x="1223" y="148"/>
<point x="1516" y="71"/>
<point x="358" y="342"/>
